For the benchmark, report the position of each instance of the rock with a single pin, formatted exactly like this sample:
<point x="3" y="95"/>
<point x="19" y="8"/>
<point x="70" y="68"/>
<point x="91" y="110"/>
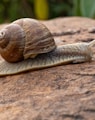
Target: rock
<point x="65" y="92"/>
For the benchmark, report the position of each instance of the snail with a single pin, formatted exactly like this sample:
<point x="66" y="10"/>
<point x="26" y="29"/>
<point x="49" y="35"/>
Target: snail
<point x="26" y="44"/>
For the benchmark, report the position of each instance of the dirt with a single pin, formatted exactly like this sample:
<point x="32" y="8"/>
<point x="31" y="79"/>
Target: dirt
<point x="65" y="92"/>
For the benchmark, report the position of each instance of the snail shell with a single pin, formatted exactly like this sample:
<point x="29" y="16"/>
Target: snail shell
<point x="26" y="44"/>
<point x="25" y="38"/>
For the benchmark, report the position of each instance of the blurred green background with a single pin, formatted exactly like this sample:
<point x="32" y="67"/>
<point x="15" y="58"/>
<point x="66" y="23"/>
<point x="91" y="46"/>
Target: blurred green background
<point x="11" y="10"/>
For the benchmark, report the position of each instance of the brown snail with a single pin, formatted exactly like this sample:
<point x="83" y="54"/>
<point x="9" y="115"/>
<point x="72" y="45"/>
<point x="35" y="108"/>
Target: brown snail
<point x="27" y="44"/>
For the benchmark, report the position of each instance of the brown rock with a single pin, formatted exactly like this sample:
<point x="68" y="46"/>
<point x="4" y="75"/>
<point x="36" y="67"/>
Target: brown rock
<point x="65" y="92"/>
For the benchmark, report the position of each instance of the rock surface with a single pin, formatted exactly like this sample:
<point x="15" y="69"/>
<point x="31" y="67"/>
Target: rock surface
<point x="64" y="92"/>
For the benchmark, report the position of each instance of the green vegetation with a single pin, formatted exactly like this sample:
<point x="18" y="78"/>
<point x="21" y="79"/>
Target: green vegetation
<point x="84" y="8"/>
<point x="45" y="9"/>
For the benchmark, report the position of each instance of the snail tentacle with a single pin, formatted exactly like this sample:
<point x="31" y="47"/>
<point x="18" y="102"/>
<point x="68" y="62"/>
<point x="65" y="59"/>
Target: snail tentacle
<point x="92" y="43"/>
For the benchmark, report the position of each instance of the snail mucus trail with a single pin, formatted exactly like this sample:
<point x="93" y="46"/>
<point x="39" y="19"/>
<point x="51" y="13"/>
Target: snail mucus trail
<point x="27" y="44"/>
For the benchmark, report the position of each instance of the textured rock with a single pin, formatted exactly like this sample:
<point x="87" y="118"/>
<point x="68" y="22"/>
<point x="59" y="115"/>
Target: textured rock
<point x="64" y="92"/>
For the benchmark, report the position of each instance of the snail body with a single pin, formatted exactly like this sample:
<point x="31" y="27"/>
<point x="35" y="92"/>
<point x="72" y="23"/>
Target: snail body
<point x="27" y="44"/>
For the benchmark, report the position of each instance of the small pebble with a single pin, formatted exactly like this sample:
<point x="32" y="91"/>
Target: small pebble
<point x="91" y="30"/>
<point x="72" y="31"/>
